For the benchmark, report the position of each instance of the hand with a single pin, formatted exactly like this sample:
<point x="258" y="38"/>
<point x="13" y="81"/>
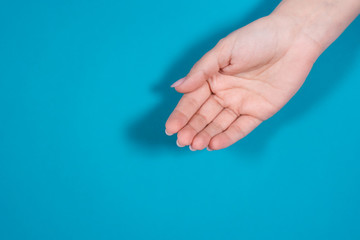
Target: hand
<point x="245" y="79"/>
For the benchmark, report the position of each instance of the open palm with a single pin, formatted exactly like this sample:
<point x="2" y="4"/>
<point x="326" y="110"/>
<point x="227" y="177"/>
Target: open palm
<point x="244" y="80"/>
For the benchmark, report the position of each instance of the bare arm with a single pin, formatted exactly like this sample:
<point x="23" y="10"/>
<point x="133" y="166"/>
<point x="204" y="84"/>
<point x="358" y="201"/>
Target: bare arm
<point x="321" y="20"/>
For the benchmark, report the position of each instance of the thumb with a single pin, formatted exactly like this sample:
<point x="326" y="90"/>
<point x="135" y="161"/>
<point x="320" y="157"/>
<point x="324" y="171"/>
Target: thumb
<point x="207" y="66"/>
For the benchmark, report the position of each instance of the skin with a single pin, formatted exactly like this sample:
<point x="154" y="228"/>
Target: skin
<point x="254" y="71"/>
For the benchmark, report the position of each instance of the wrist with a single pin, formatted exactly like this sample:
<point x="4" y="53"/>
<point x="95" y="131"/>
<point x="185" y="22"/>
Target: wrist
<point x="318" y="22"/>
<point x="294" y="31"/>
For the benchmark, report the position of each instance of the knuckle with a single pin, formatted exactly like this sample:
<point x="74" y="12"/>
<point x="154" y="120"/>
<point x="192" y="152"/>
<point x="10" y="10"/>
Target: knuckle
<point x="176" y="121"/>
<point x="205" y="134"/>
<point x="239" y="131"/>
<point x="234" y="114"/>
<point x="254" y="121"/>
<point x="221" y="42"/>
<point x="199" y="119"/>
<point x="217" y="127"/>
<point x="192" y="102"/>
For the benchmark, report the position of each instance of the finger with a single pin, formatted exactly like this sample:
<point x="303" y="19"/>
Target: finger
<point x="207" y="66"/>
<point x="208" y="111"/>
<point x="218" y="125"/>
<point x="186" y="108"/>
<point x="236" y="131"/>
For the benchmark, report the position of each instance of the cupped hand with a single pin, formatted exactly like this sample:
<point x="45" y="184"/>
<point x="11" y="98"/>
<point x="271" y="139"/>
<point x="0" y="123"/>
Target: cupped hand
<point x="245" y="79"/>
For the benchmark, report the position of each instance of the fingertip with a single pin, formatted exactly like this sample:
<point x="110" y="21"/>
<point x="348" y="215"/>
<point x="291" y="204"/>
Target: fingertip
<point x="191" y="148"/>
<point x="186" y="135"/>
<point x="180" y="89"/>
<point x="199" y="143"/>
<point x="217" y="143"/>
<point x="167" y="133"/>
<point x="178" y="82"/>
<point x="174" y="123"/>
<point x="178" y="144"/>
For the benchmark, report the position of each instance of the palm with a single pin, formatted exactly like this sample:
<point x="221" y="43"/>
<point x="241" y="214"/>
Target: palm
<point x="261" y="68"/>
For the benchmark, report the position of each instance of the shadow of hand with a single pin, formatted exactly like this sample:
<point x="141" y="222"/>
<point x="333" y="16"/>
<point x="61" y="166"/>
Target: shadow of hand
<point x="148" y="130"/>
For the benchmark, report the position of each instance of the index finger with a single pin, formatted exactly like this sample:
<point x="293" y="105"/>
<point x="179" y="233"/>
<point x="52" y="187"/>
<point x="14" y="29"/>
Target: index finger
<point x="186" y="108"/>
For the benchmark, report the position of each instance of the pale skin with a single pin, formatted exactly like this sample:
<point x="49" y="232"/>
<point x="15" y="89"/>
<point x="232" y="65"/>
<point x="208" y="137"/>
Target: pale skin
<point x="254" y="71"/>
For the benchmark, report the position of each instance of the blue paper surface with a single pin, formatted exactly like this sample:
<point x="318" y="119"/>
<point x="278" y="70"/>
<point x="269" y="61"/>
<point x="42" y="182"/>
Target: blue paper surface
<point x="84" y="96"/>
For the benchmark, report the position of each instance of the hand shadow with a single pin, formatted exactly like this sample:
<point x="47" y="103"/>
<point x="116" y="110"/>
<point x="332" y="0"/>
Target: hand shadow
<point x="148" y="130"/>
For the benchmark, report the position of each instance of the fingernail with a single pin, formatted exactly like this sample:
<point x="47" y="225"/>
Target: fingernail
<point x="191" y="148"/>
<point x="209" y="149"/>
<point x="178" y="82"/>
<point x="178" y="144"/>
<point x="169" y="134"/>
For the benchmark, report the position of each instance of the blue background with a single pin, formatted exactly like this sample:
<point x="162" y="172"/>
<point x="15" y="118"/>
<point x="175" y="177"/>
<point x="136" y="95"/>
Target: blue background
<point x="84" y="96"/>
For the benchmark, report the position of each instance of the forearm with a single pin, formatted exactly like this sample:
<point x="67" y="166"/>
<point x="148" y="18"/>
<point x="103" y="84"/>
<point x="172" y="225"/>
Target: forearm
<point x="322" y="21"/>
